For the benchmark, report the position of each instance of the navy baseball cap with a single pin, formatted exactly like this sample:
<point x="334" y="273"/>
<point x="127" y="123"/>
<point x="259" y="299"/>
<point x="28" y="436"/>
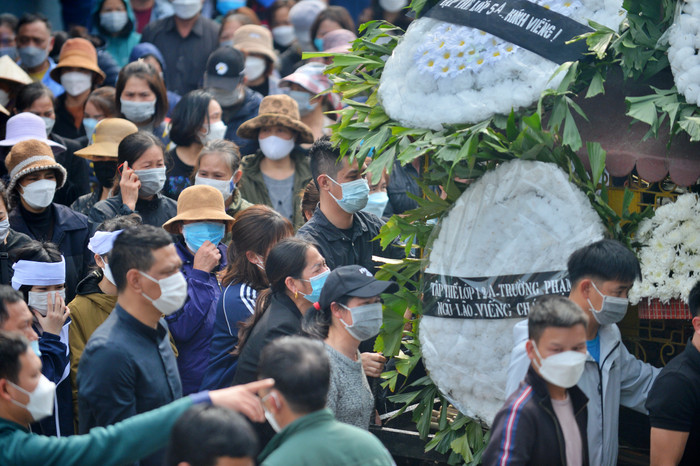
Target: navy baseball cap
<point x="224" y="68"/>
<point x="355" y="281"/>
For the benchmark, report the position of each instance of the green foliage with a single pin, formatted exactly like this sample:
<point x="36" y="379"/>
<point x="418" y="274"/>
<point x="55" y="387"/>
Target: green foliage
<point x="459" y="154"/>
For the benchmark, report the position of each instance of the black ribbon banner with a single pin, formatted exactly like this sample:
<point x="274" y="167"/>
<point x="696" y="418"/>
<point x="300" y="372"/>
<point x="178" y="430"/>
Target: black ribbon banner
<point x="520" y="22"/>
<point x="502" y="297"/>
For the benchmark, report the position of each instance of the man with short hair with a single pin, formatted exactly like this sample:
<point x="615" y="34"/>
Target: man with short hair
<point x="211" y="435"/>
<point x="128" y="366"/>
<point x="15" y="315"/>
<point x="306" y="432"/>
<point x="185" y="39"/>
<point x="601" y="276"/>
<point x="674" y="403"/>
<point x="26" y="396"/>
<point x="524" y="430"/>
<point x="343" y="233"/>
<point x="34" y="42"/>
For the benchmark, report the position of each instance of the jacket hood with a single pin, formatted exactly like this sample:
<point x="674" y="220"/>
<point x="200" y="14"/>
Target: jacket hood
<point x="128" y="29"/>
<point x="144" y="49"/>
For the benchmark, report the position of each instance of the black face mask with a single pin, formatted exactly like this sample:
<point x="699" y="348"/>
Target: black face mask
<point x="105" y="171"/>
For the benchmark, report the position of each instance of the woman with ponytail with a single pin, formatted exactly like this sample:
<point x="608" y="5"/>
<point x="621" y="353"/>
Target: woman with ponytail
<point x="348" y="313"/>
<point x="296" y="272"/>
<point x="256" y="230"/>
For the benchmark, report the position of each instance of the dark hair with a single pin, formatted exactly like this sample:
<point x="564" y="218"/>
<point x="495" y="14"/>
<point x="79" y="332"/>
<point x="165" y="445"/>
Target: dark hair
<point x="316" y="322"/>
<point x="333" y="13"/>
<point x="12" y="346"/>
<point x="286" y="259"/>
<point x="694" y="300"/>
<point x="310" y="197"/>
<point x="124" y="32"/>
<point x="604" y="260"/>
<point x="35" y="251"/>
<point x="278" y="5"/>
<point x="235" y="15"/>
<point x="189" y="115"/>
<point x="104" y="99"/>
<point x="141" y="69"/>
<point x="4" y="197"/>
<point x="9" y="20"/>
<point x="29" y="18"/>
<point x="133" y="249"/>
<point x="301" y="370"/>
<point x="131" y="148"/>
<point x="204" y="433"/>
<point x="120" y="222"/>
<point x="227" y="149"/>
<point x="324" y="159"/>
<point x="8" y="295"/>
<point x="29" y="94"/>
<point x="257" y="228"/>
<point x="553" y="311"/>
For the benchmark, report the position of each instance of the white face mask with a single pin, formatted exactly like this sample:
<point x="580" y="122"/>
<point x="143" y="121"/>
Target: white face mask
<point x="366" y="321"/>
<point x="269" y="416"/>
<point x="108" y="273"/>
<point x="392" y="6"/>
<point x="276" y="148"/>
<point x="214" y="131"/>
<point x="138" y="112"/>
<point x="48" y="122"/>
<point x="4" y="97"/>
<point x="76" y="82"/>
<point x="186" y="9"/>
<point x="173" y="292"/>
<point x="562" y="369"/>
<point x="225" y="187"/>
<point x="39" y="194"/>
<point x="152" y="180"/>
<point x="283" y="35"/>
<point x="612" y="310"/>
<point x="113" y="21"/>
<point x="40" y="400"/>
<point x="4" y="229"/>
<point x="254" y="67"/>
<point x="39" y="300"/>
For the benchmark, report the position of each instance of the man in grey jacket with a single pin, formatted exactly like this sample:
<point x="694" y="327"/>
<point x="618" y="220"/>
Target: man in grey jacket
<point x="601" y="275"/>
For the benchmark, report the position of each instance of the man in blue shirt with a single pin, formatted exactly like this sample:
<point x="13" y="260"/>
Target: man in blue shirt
<point x="34" y="42"/>
<point x="128" y="366"/>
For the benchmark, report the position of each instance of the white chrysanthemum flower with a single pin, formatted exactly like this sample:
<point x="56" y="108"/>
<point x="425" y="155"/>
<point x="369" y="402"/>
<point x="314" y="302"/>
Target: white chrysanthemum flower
<point x="457" y="92"/>
<point x="684" y="43"/>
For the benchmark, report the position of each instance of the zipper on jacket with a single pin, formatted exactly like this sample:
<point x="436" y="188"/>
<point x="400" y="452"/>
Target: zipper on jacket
<point x="560" y="435"/>
<point x="600" y="391"/>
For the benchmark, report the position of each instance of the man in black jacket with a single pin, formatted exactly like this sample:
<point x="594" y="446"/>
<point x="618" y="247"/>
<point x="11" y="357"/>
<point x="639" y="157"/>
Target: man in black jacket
<point x="343" y="233"/>
<point x="544" y="421"/>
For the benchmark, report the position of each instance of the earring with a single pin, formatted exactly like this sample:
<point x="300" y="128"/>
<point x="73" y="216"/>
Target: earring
<point x="296" y="294"/>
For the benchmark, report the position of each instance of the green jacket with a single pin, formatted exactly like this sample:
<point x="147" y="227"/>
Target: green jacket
<point x="253" y="188"/>
<point x="334" y="443"/>
<point x="121" y="443"/>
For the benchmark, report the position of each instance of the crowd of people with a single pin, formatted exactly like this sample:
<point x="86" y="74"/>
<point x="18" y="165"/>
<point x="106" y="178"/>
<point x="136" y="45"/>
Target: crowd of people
<point x="183" y="248"/>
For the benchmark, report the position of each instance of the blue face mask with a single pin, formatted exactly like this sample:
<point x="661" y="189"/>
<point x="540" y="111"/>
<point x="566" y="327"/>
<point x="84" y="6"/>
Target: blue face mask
<point x="224" y="7"/>
<point x="197" y="233"/>
<point x="89" y="125"/>
<point x="34" y="345"/>
<point x="9" y="51"/>
<point x="316" y="286"/>
<point x="376" y="203"/>
<point x="303" y="100"/>
<point x="355" y="195"/>
<point x="318" y="43"/>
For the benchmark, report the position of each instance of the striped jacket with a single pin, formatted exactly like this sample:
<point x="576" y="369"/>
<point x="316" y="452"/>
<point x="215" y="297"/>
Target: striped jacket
<point x="526" y="429"/>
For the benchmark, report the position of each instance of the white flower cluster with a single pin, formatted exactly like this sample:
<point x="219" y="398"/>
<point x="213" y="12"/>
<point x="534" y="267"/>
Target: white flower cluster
<point x="508" y="222"/>
<point x="684" y="42"/>
<point x="670" y="251"/>
<point x="471" y="87"/>
<point x="450" y="50"/>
